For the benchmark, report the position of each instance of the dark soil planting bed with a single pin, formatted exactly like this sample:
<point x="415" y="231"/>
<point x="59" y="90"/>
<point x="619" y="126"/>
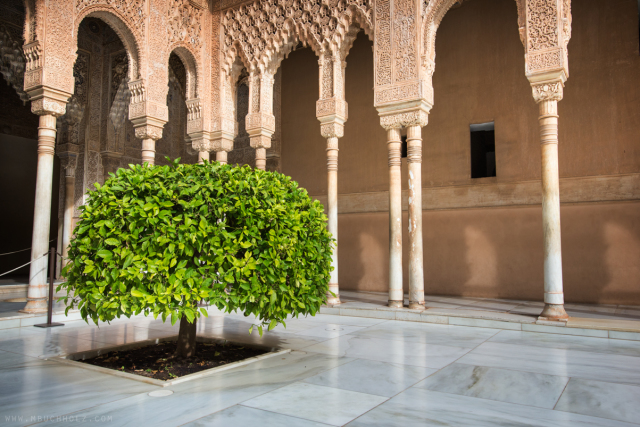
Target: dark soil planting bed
<point x="158" y="361"/>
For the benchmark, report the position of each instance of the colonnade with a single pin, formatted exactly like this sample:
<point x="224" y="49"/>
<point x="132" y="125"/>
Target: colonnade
<point x="403" y="97"/>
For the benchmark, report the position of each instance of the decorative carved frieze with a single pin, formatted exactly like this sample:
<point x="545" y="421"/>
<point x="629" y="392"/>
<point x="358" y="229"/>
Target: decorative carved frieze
<point x="260" y="121"/>
<point x="542" y="24"/>
<point x="185" y="22"/>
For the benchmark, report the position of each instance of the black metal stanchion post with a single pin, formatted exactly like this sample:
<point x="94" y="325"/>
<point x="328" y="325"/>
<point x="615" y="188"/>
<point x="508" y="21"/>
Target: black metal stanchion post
<point x="52" y="273"/>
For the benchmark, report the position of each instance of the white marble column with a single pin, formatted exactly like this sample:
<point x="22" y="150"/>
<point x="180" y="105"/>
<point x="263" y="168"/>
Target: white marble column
<point x="38" y="283"/>
<point x="70" y="184"/>
<point x="394" y="146"/>
<point x="260" y="122"/>
<point x="416" y="273"/>
<point x="202" y="156"/>
<point x="148" y="151"/>
<point x="221" y="157"/>
<point x="548" y="97"/>
<point x="332" y="210"/>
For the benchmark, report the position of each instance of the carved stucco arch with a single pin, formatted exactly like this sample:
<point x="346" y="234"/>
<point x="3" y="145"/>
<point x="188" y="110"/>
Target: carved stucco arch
<point x="191" y="66"/>
<point x="436" y="11"/>
<point x="127" y="36"/>
<point x="262" y="33"/>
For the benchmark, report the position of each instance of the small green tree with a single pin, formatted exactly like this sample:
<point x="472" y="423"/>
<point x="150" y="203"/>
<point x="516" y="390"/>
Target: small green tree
<point x="158" y="240"/>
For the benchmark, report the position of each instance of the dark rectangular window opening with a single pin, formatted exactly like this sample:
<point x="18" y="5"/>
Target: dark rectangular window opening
<point x="483" y="150"/>
<point x="404" y="144"/>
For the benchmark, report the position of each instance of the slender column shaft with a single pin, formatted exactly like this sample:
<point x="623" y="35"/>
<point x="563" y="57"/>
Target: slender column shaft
<point x="70" y="184"/>
<point x="221" y="157"/>
<point x="261" y="158"/>
<point x="148" y="151"/>
<point x="416" y="273"/>
<point x="332" y="224"/>
<point x="202" y="156"/>
<point x="394" y="146"/>
<point x="37" y="291"/>
<point x="553" y="292"/>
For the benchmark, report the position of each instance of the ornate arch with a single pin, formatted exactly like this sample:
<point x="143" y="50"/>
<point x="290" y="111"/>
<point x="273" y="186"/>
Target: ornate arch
<point x="129" y="36"/>
<point x="263" y="32"/>
<point x="190" y="65"/>
<point x="434" y="12"/>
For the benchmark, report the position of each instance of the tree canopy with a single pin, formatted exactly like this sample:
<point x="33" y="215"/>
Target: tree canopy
<point x="158" y="240"/>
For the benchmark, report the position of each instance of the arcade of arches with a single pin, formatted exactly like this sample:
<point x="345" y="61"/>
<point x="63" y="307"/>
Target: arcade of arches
<point x="295" y="85"/>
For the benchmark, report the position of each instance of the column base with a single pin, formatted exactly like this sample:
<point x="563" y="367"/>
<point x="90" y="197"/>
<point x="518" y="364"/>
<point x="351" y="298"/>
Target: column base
<point x="396" y="304"/>
<point x="554" y="312"/>
<point x="416" y="306"/>
<point x="331" y="300"/>
<point x="35" y="305"/>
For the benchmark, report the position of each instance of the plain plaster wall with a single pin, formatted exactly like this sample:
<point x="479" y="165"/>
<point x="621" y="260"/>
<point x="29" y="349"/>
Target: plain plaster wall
<point x="489" y="252"/>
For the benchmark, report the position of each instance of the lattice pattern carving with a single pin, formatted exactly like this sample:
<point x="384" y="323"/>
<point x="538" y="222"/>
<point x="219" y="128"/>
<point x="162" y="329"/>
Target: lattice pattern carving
<point x="260" y="31"/>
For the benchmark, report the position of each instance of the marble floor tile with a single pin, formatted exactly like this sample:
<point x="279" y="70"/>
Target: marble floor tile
<point x="382" y="350"/>
<point x="196" y="399"/>
<point x="52" y="389"/>
<point x="490" y="305"/>
<point x="17" y="333"/>
<point x="329" y="330"/>
<point x="441" y="304"/>
<point x="553" y="361"/>
<point x="601" y="399"/>
<point x="50" y="345"/>
<point x="417" y="407"/>
<point x="596" y="315"/>
<point x="316" y="403"/>
<point x="269" y="338"/>
<point x="344" y="320"/>
<point x="372" y="377"/>
<point x="429" y="333"/>
<point x="244" y="416"/>
<point x="10" y="360"/>
<point x="127" y="335"/>
<point x="570" y="342"/>
<point x="504" y="385"/>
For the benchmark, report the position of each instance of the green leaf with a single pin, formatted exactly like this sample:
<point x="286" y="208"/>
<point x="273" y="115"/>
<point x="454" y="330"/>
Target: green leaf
<point x="204" y="312"/>
<point x="105" y="253"/>
<point x="273" y="324"/>
<point x="174" y="318"/>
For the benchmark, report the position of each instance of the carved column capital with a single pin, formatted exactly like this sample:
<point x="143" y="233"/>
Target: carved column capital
<point x="397" y="120"/>
<point x="548" y="91"/>
<point x="148" y="131"/>
<point x="48" y="101"/>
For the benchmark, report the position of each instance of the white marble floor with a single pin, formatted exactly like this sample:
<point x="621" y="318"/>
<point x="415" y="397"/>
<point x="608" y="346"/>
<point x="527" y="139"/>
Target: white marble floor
<point x="341" y="371"/>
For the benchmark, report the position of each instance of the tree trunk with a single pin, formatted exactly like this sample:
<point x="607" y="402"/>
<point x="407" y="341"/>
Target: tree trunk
<point x="186" y="345"/>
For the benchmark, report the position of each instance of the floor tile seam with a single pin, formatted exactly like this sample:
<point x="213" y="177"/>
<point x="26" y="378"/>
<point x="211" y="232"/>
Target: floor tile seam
<point x="100" y="404"/>
<point x="355" y="335"/>
<point x="598" y="351"/>
<point x="286" y="415"/>
<point x="483" y="398"/>
<point x="399" y="365"/>
<point x="597" y="417"/>
<point x="567" y="349"/>
<point x="405" y="340"/>
<point x="590" y="378"/>
<point x="518" y="370"/>
<point x="563" y="390"/>
<point x="526" y="406"/>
